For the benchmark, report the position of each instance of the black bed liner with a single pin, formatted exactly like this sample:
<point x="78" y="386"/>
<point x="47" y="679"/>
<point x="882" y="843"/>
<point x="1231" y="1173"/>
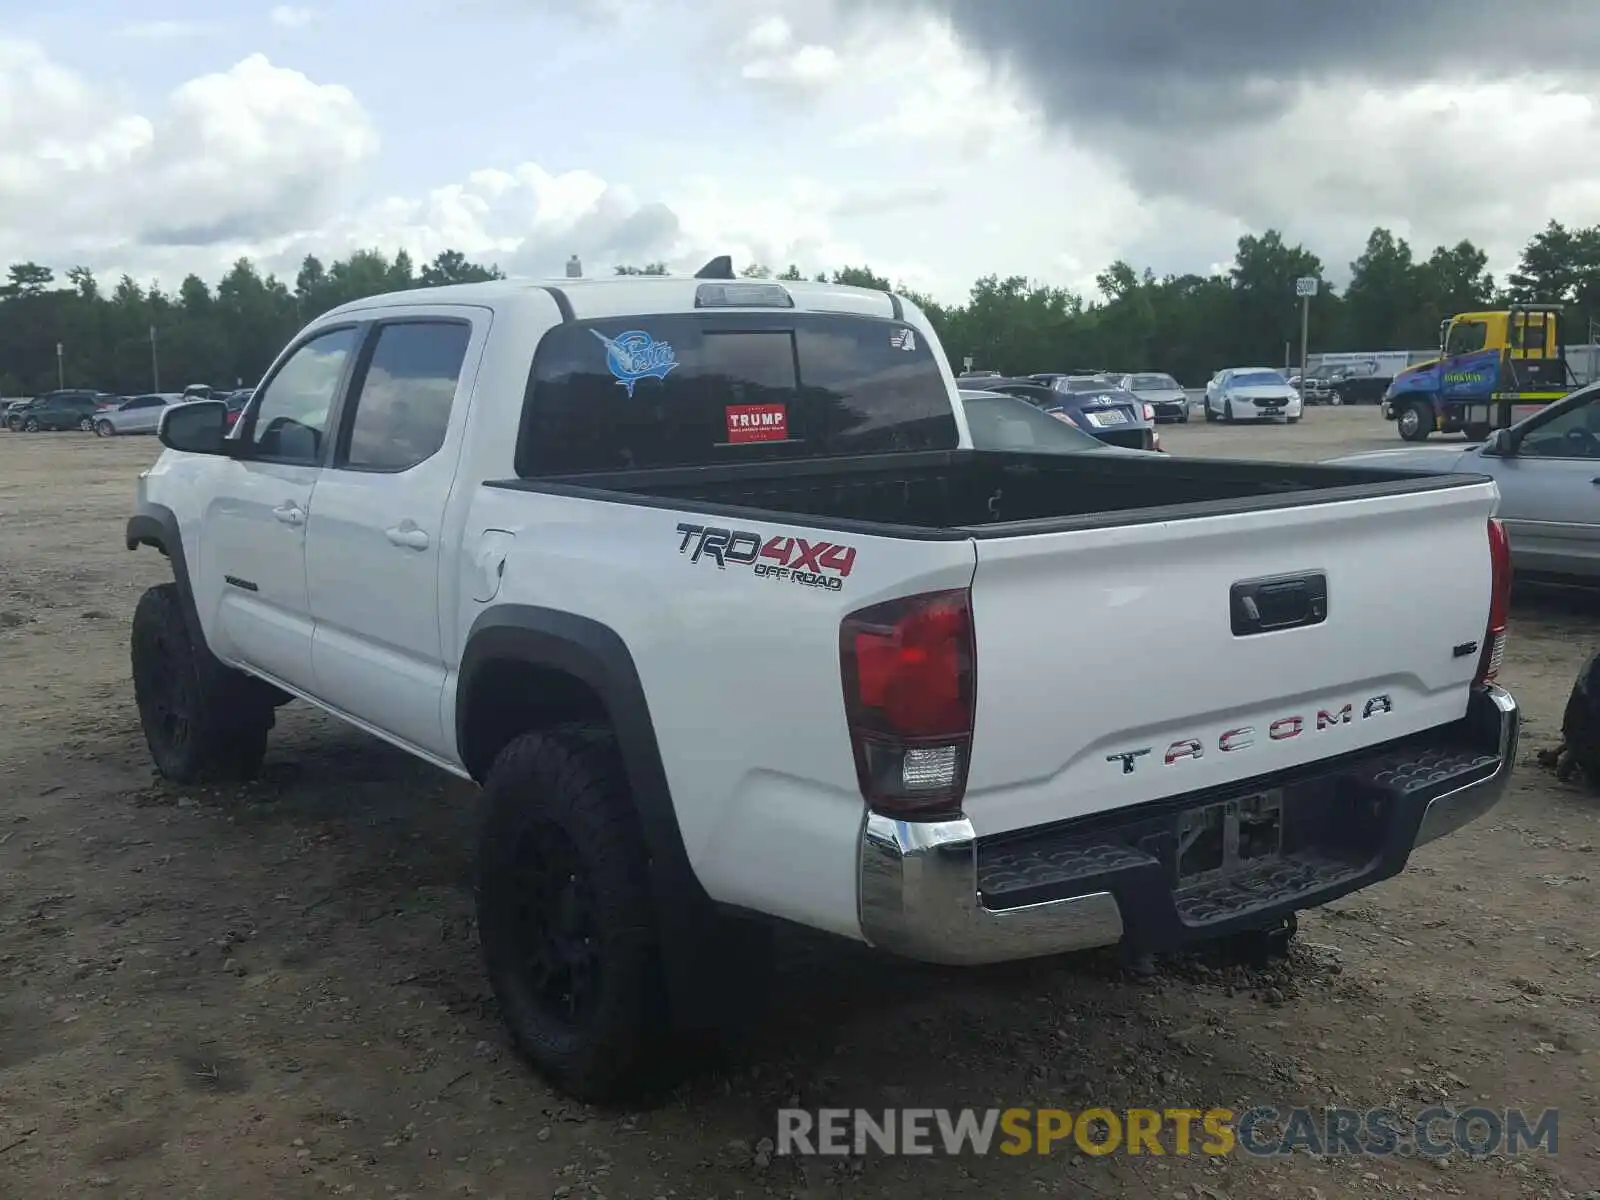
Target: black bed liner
<point x="981" y="493"/>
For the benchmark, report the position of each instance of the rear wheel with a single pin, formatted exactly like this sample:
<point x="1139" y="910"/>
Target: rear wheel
<point x="564" y="912"/>
<point x="1227" y="411"/>
<point x="1415" y="421"/>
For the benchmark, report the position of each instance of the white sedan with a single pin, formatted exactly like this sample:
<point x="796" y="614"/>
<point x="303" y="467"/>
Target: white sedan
<point x="1251" y="394"/>
<point x="141" y="414"/>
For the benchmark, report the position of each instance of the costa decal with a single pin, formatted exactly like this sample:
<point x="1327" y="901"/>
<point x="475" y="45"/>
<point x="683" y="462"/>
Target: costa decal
<point x="782" y="559"/>
<point x="757" y="423"/>
<point x="1241" y="738"/>
<point x="636" y="355"/>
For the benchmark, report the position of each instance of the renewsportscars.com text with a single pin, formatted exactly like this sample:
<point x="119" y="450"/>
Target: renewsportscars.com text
<point x="1260" y="1132"/>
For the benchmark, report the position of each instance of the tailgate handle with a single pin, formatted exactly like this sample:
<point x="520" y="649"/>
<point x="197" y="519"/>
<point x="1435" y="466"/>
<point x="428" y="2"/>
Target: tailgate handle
<point x="1282" y="602"/>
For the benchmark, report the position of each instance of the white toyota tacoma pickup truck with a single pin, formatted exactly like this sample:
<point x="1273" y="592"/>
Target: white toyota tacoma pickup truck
<point x="703" y="581"/>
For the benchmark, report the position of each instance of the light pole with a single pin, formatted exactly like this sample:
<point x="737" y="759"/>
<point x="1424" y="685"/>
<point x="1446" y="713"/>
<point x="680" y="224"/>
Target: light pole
<point x="155" y="365"/>
<point x="1305" y="287"/>
<point x="61" y="367"/>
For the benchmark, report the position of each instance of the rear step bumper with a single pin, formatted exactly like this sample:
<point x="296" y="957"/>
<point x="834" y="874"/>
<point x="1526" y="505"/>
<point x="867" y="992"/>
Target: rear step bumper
<point x="1196" y="867"/>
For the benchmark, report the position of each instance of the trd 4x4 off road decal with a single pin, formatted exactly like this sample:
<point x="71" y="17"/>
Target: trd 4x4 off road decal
<point x="788" y="559"/>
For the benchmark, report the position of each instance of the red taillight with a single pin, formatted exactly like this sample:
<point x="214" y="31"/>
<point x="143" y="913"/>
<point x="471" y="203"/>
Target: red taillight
<point x="908" y="668"/>
<point x="1494" y="637"/>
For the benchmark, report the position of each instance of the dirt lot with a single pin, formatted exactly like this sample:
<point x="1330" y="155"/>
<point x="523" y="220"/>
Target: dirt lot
<point x="274" y="991"/>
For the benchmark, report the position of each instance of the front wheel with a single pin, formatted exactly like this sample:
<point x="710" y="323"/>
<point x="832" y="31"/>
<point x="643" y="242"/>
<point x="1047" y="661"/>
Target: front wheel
<point x="86" y="425"/>
<point x="31" y="425"/>
<point x="1227" y="411"/>
<point x="1415" y="422"/>
<point x="1294" y="420"/>
<point x="564" y="910"/>
<point x="1336" y="400"/>
<point x="104" y="429"/>
<point x="202" y="721"/>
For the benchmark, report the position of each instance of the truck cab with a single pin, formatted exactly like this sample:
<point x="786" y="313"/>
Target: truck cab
<point x="1493" y="369"/>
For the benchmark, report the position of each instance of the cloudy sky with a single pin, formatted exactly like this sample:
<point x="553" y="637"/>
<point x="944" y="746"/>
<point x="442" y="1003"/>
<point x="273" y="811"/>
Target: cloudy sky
<point x="936" y="140"/>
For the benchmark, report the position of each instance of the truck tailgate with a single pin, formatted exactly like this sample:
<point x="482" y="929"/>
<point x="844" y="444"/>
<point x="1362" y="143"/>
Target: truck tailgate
<point x="1120" y="665"/>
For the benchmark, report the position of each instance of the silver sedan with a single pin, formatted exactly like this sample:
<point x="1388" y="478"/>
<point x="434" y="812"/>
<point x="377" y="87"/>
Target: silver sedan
<point x="1548" y="469"/>
<point x="141" y="414"/>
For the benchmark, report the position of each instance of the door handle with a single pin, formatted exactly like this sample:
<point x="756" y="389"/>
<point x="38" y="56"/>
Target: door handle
<point x="290" y="513"/>
<point x="407" y="536"/>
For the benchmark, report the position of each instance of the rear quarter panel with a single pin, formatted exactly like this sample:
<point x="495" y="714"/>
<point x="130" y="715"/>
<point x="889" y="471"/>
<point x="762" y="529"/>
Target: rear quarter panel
<point x="740" y="672"/>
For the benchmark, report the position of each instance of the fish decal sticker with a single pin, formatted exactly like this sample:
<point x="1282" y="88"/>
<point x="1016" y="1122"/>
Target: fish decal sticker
<point x="636" y="355"/>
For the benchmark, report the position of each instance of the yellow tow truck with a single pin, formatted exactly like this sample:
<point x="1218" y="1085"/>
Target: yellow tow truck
<point x="1493" y="369"/>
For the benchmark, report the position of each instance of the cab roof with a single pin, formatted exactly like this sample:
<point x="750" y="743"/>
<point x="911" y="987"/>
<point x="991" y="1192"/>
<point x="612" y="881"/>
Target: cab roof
<point x="626" y="295"/>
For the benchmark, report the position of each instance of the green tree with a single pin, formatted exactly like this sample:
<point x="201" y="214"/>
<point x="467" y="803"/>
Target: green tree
<point x="1382" y="299"/>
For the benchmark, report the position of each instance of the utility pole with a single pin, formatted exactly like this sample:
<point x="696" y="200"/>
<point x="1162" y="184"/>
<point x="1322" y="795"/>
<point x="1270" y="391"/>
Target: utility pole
<point x="1305" y="287"/>
<point x="155" y="365"/>
<point x="61" y="367"/>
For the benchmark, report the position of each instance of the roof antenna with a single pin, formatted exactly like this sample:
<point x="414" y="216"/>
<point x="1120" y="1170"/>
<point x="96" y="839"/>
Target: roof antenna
<point x="720" y="267"/>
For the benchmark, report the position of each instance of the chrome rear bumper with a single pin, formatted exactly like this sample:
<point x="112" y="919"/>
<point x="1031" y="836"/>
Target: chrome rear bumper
<point x="920" y="893"/>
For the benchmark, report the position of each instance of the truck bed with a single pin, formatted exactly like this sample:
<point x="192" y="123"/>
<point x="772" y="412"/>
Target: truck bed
<point x="968" y="493"/>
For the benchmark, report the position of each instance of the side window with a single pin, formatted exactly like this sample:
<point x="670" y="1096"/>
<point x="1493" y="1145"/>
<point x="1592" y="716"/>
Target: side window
<point x="1574" y="433"/>
<point x="1466" y="337"/>
<point x="292" y="415"/>
<point x="402" y="405"/>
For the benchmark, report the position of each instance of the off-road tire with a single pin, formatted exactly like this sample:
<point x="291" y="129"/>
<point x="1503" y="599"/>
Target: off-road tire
<point x="556" y="802"/>
<point x="204" y="722"/>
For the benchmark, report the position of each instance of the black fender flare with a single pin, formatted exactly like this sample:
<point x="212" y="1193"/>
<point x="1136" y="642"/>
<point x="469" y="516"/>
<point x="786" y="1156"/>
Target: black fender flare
<point x="596" y="655"/>
<point x="157" y="525"/>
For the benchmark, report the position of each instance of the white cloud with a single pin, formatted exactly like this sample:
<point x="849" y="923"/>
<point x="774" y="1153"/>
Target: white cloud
<point x="237" y="155"/>
<point x="289" y="17"/>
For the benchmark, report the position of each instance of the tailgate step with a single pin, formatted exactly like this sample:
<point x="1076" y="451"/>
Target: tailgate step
<point x="1209" y="861"/>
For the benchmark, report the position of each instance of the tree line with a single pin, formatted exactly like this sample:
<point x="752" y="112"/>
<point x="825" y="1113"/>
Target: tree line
<point x="135" y="338"/>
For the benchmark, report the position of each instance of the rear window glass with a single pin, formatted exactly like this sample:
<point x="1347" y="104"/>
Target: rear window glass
<point x="693" y="389"/>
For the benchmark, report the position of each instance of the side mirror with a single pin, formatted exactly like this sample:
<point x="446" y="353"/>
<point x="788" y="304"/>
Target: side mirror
<point x="195" y="427"/>
<point x="1499" y="445"/>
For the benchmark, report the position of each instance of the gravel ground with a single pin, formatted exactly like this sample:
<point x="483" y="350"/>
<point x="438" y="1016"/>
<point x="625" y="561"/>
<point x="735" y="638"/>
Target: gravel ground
<point x="273" y="991"/>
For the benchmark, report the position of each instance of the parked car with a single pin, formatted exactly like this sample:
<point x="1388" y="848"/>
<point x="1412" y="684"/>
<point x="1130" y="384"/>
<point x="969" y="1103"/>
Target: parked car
<point x="55" y="410"/>
<point x="234" y="403"/>
<point x="141" y="414"/>
<point x="1348" y="383"/>
<point x="680" y="514"/>
<point x="1163" y="393"/>
<point x="1002" y="422"/>
<point x="1251" y="394"/>
<point x="1547" y="467"/>
<point x="1092" y="404"/>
